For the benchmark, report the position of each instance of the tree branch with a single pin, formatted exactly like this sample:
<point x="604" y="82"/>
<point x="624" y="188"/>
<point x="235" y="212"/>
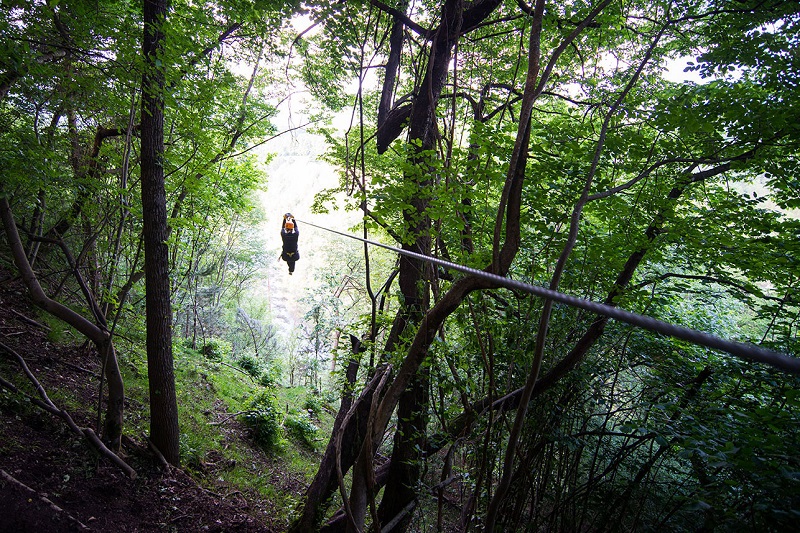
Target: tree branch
<point x="402" y="17"/>
<point x="711" y="279"/>
<point x="9" y="478"/>
<point x="47" y="404"/>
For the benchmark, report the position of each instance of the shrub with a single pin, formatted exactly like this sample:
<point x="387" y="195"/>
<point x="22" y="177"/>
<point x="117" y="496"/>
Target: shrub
<point x="251" y="365"/>
<point x="191" y="456"/>
<point x="263" y="420"/>
<point x="313" y="405"/>
<point x="330" y="396"/>
<point x="270" y="374"/>
<point x="266" y="380"/>
<point x="301" y="428"/>
<point x="215" y="349"/>
<point x="13" y="403"/>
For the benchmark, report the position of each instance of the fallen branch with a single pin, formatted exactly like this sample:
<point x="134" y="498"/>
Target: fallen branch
<point x="223" y="363"/>
<point x="47" y="404"/>
<point x="11" y="479"/>
<point x="396" y="520"/>
<point x="30" y="321"/>
<point x="75" y="367"/>
<point x="160" y="456"/>
<point x="133" y="445"/>
<point x="244" y="504"/>
<point x="229" y="417"/>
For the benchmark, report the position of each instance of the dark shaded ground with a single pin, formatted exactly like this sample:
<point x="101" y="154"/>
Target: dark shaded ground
<point x="38" y="451"/>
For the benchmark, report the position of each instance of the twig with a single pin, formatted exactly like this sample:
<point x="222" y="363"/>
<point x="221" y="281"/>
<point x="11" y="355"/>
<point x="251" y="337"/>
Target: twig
<point x="234" y="415"/>
<point x="75" y="367"/>
<point x="212" y="493"/>
<point x="237" y="369"/>
<point x="238" y="493"/>
<point x="11" y="479"/>
<point x="30" y="321"/>
<point x="48" y="360"/>
<point x="160" y="456"/>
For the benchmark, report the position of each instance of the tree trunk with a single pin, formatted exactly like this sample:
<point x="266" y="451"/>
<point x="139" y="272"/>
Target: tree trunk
<point x="405" y="470"/>
<point x="407" y="452"/>
<point x="325" y="481"/>
<point x="163" y="404"/>
<point x="112" y="432"/>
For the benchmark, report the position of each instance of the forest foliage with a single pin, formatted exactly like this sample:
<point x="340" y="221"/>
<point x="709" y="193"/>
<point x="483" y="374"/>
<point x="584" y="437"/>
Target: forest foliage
<point x="550" y="143"/>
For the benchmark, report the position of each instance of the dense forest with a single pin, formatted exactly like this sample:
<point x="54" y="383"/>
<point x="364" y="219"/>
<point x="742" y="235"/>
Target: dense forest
<point x="643" y="155"/>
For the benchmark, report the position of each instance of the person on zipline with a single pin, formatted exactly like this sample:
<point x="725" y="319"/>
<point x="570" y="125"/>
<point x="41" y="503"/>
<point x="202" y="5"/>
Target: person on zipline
<point x="289" y="235"/>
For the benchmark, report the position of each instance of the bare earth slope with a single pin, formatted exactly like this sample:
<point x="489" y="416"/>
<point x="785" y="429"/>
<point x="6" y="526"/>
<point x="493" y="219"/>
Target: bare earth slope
<point x="50" y="479"/>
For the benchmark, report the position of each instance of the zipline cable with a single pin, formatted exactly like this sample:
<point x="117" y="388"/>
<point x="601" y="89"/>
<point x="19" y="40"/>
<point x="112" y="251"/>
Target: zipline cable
<point x="749" y="352"/>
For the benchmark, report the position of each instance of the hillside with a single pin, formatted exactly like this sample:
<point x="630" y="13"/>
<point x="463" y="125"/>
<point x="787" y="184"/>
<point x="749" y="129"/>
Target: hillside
<point x="51" y="480"/>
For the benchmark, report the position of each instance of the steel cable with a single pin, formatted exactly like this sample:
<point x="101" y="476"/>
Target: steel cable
<point x="746" y="351"/>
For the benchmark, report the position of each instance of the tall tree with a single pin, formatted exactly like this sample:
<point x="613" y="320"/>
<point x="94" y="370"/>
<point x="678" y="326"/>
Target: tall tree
<point x="46" y="85"/>
<point x="70" y="81"/>
<point x="164" y="430"/>
<point x="591" y="170"/>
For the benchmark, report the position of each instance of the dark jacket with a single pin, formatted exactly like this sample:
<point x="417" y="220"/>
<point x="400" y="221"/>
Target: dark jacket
<point x="290" y="252"/>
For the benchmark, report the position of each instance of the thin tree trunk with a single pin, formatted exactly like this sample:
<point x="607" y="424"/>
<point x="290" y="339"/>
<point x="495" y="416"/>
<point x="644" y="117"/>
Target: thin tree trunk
<point x="112" y="432"/>
<point x="544" y="322"/>
<point x="404" y="473"/>
<point x="407" y="452"/>
<point x="324" y="483"/>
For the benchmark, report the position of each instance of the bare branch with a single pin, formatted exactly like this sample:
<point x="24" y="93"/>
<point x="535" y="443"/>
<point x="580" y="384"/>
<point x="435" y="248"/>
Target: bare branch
<point x="399" y="15"/>
<point x="11" y="479"/>
<point x="48" y="405"/>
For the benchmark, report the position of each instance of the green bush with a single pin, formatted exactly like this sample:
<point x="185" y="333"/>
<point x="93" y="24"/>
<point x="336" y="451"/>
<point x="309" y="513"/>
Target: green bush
<point x="270" y="374"/>
<point x="263" y="420"/>
<point x="191" y="455"/>
<point x="330" y="396"/>
<point x="13" y="403"/>
<point x="313" y="405"/>
<point x="301" y="428"/>
<point x="216" y="349"/>
<point x="266" y="380"/>
<point x="251" y="365"/>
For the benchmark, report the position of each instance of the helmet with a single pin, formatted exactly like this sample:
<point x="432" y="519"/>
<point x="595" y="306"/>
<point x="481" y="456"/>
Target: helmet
<point x="289" y="225"/>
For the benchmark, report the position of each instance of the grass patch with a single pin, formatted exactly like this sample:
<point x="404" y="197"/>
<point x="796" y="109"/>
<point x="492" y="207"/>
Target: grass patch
<point x="215" y="447"/>
<point x="289" y="426"/>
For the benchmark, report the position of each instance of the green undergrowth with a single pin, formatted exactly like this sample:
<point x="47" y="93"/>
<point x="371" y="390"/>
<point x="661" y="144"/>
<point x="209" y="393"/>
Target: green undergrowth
<point x="236" y="431"/>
